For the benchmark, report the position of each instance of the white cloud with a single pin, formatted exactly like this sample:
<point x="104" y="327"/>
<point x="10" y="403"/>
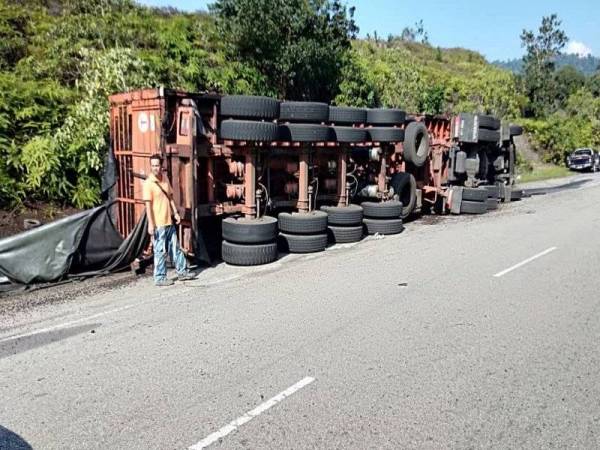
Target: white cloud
<point x="578" y="48"/>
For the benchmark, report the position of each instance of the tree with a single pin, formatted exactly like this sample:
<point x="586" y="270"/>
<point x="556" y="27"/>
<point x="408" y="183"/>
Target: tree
<point x="541" y="50"/>
<point x="567" y="80"/>
<point x="298" y="45"/>
<point x="413" y="34"/>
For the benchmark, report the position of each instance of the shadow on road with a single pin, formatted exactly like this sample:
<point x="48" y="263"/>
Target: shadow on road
<point x="17" y="345"/>
<point x="562" y="187"/>
<point x="12" y="441"/>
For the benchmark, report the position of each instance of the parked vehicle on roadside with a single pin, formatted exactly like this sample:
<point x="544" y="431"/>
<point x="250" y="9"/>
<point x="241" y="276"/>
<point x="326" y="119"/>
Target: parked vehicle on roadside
<point x="584" y="159"/>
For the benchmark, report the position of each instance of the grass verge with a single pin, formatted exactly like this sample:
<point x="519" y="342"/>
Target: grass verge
<point x="545" y="172"/>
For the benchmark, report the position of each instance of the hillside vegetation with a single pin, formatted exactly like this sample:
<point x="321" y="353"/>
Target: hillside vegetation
<point x="60" y="59"/>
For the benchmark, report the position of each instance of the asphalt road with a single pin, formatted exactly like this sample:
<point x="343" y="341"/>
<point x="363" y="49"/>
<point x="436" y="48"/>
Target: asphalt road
<point x="462" y="332"/>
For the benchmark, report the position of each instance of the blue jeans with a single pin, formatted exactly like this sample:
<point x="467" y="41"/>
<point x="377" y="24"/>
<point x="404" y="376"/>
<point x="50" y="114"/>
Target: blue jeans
<point x="165" y="243"/>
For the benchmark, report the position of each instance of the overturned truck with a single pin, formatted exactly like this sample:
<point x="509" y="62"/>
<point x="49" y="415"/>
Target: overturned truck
<point x="256" y="175"/>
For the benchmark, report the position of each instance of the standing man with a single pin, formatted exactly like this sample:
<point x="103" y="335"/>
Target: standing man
<point x="162" y="213"/>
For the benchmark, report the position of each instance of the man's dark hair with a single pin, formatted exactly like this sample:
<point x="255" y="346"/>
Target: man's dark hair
<point x="157" y="156"/>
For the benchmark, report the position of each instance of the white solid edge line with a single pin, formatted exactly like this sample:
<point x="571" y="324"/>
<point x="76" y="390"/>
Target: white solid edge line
<point x="234" y="425"/>
<point x="522" y="263"/>
<point x="65" y="324"/>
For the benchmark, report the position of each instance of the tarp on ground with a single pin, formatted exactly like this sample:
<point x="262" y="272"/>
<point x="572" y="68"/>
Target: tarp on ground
<point x="81" y="245"/>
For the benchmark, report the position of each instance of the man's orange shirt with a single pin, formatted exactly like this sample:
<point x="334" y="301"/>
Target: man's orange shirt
<point x="160" y="203"/>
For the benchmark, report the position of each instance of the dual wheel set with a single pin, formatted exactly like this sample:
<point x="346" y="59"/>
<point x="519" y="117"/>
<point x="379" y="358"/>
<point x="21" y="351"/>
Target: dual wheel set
<point x="486" y="198"/>
<point x="250" y="242"/>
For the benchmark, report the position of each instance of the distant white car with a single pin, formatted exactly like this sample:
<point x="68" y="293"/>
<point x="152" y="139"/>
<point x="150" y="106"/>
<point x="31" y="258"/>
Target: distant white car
<point x="584" y="159"/>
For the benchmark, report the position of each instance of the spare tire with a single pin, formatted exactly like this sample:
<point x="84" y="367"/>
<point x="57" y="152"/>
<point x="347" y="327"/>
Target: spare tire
<point x="392" y="209"/>
<point x="386" y="134"/>
<point x="384" y="116"/>
<point x="248" y="255"/>
<point x="493" y="191"/>
<point x="304" y="112"/>
<point x="240" y="230"/>
<point x="492" y="203"/>
<point x="383" y="226"/>
<point x="302" y="132"/>
<point x="294" y="243"/>
<point x="343" y="114"/>
<point x="246" y="130"/>
<point x="303" y="223"/>
<point x="416" y="143"/>
<point x="349" y="134"/>
<point x="405" y="187"/>
<point x="343" y="215"/>
<point x="489" y="122"/>
<point x="249" y="107"/>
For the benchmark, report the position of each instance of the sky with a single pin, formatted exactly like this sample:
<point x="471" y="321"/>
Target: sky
<point x="494" y="32"/>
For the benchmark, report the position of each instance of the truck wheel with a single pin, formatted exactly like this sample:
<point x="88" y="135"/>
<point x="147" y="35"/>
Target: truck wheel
<point x="250" y="231"/>
<point x="344" y="235"/>
<point x="471" y="207"/>
<point x="302" y="132"/>
<point x="249" y="107"/>
<point x="476" y="195"/>
<point x="391" y="209"/>
<point x="416" y="143"/>
<point x="405" y="186"/>
<point x="294" y="243"/>
<point x="488" y="135"/>
<point x="385" y="116"/>
<point x="349" y="134"/>
<point x="314" y="222"/>
<point x="489" y="122"/>
<point x="304" y="112"/>
<point x="248" y="255"/>
<point x="492" y="203"/>
<point x="383" y="226"/>
<point x="386" y="134"/>
<point x="246" y="130"/>
<point x="493" y="191"/>
<point x="516" y="194"/>
<point x="343" y="114"/>
<point x="343" y="215"/>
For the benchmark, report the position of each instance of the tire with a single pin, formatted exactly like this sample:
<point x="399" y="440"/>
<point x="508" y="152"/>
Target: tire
<point x="349" y="134"/>
<point x="344" y="235"/>
<point x="391" y="209"/>
<point x="516" y="130"/>
<point x="493" y="191"/>
<point x="488" y="135"/>
<point x="302" y="132"/>
<point x="489" y="122"/>
<point x="516" y="194"/>
<point x="475" y="195"/>
<point x="248" y="255"/>
<point x="416" y="143"/>
<point x="245" y="130"/>
<point x="405" y="186"/>
<point x="470" y="207"/>
<point x="342" y="114"/>
<point x="385" y="116"/>
<point x="294" y="243"/>
<point x="343" y="215"/>
<point x="304" y="112"/>
<point x="249" y="107"/>
<point x="383" y="226"/>
<point x="314" y="222"/>
<point x="492" y="203"/>
<point x="386" y="134"/>
<point x="250" y="231"/>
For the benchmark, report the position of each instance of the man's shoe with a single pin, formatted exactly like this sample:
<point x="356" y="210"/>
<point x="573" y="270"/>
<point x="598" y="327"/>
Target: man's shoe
<point x="165" y="282"/>
<point x="187" y="276"/>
